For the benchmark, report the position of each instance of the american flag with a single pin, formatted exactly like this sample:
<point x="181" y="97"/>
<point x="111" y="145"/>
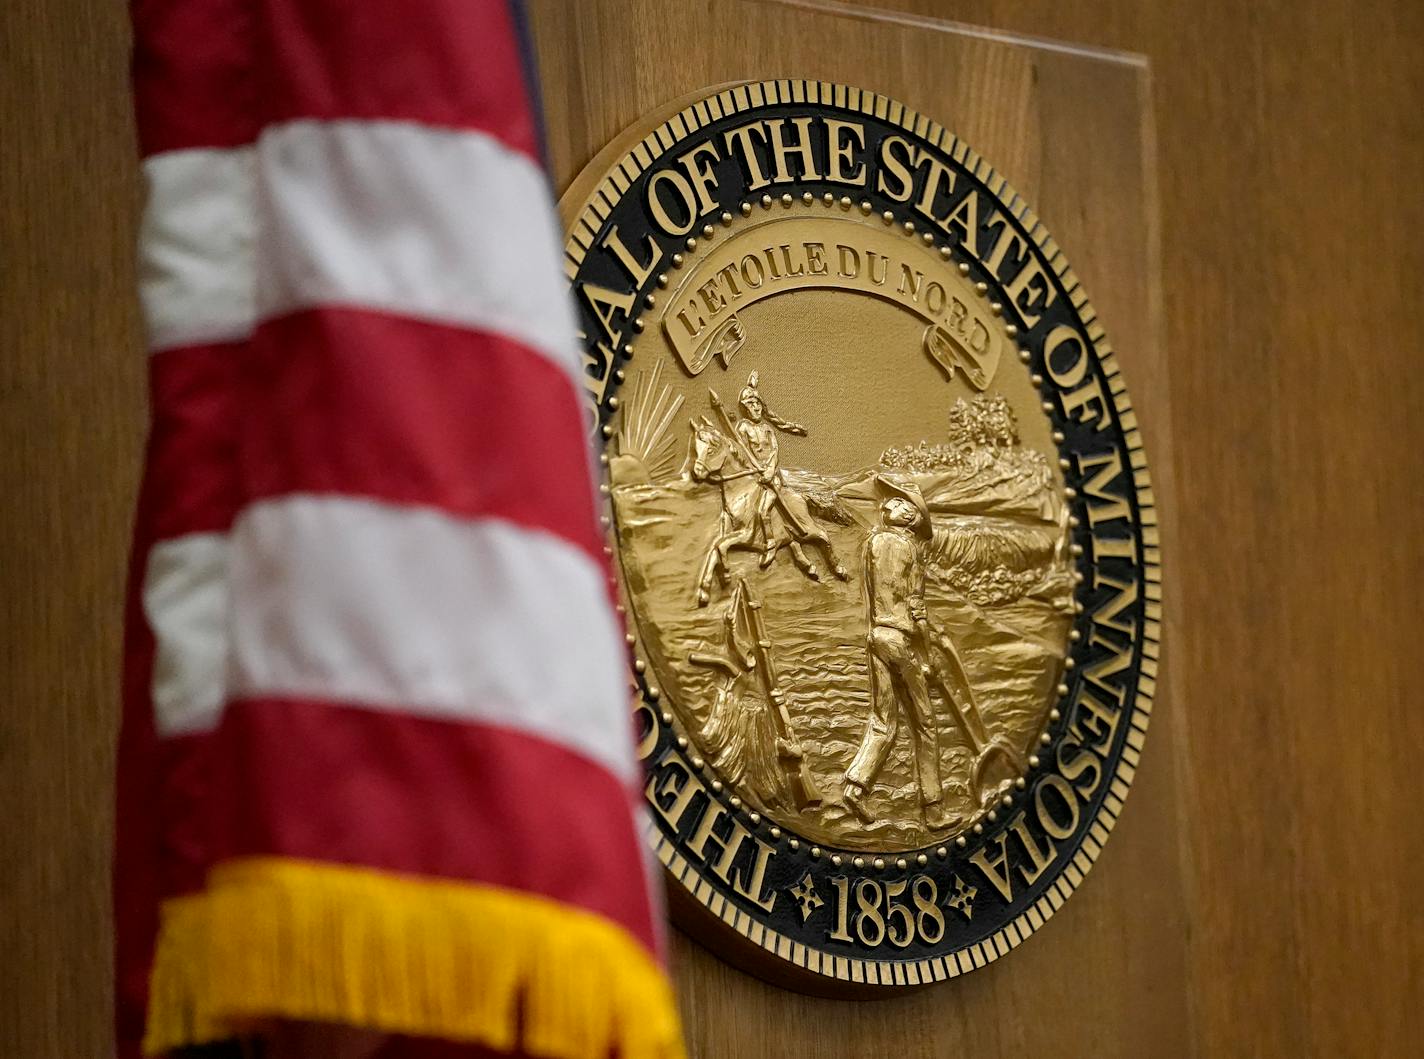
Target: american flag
<point x="376" y="765"/>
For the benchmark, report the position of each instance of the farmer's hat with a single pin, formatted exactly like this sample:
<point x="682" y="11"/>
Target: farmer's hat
<point x="888" y="489"/>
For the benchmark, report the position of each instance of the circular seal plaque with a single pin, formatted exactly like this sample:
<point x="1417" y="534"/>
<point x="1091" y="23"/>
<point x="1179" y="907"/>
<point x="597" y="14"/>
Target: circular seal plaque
<point x="882" y="526"/>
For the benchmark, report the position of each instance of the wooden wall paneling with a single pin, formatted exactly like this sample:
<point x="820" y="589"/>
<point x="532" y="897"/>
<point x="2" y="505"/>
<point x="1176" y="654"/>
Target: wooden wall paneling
<point x="1070" y="130"/>
<point x="71" y="426"/>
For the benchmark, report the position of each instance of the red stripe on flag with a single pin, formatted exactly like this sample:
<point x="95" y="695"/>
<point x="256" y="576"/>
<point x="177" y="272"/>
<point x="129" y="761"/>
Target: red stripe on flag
<point x="493" y="805"/>
<point x="183" y="767"/>
<point x="212" y="73"/>
<point x="192" y="447"/>
<point x="192" y="74"/>
<point x="137" y="835"/>
<point x="364" y="404"/>
<point x="453" y="63"/>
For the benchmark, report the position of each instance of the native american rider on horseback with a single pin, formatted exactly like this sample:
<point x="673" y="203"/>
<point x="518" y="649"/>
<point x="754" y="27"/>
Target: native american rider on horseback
<point x="756" y="427"/>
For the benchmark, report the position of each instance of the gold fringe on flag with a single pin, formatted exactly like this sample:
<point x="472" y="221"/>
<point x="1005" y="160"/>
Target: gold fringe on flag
<point x="278" y="938"/>
<point x="175" y="1015"/>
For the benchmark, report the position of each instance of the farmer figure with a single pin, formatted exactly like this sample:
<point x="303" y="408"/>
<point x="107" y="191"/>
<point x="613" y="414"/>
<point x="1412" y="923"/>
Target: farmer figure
<point x="895" y="606"/>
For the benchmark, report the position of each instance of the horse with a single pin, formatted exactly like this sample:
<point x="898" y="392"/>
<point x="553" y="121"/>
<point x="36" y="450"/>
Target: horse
<point x="713" y="458"/>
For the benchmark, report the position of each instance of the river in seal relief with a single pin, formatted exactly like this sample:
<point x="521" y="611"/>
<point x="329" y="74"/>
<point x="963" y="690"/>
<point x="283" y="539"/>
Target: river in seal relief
<point x="1011" y="649"/>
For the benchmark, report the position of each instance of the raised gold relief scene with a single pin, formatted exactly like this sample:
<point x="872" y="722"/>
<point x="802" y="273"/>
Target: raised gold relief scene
<point x="885" y="539"/>
<point x="842" y="530"/>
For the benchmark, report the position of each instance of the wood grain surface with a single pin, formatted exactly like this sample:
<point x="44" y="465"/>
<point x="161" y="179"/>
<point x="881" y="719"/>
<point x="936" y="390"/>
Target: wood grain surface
<point x="1256" y="897"/>
<point x="71" y="430"/>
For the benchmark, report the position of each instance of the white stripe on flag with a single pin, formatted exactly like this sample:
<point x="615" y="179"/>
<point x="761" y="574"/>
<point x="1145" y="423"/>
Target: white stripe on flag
<point x="185" y="601"/>
<point x="408" y="609"/>
<point x="447" y="226"/>
<point x="335" y="215"/>
<point x="197" y="276"/>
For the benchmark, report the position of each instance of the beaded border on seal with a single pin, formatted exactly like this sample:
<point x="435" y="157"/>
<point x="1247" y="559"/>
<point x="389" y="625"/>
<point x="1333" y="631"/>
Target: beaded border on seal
<point x="581" y="236"/>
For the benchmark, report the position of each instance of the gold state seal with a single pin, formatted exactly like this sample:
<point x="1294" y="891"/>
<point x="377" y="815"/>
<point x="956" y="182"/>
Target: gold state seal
<point x="883" y="531"/>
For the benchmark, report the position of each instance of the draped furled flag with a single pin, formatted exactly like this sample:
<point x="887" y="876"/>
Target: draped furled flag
<point x="376" y="765"/>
